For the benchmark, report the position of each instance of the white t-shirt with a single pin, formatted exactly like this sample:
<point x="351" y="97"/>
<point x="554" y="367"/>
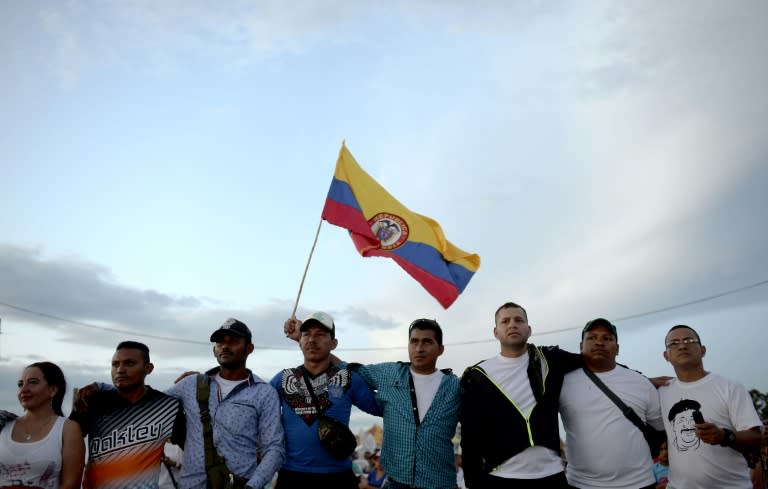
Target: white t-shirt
<point x="693" y="463"/>
<point x="34" y="464"/>
<point x="176" y="454"/>
<point x="536" y="462"/>
<point x="426" y="387"/>
<point x="603" y="448"/>
<point x="226" y="386"/>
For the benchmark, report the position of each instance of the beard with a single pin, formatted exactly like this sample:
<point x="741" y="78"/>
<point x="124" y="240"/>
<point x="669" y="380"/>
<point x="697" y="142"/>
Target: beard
<point x="231" y="364"/>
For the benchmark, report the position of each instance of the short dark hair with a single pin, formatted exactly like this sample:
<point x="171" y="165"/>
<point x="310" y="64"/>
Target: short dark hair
<point x="681" y="326"/>
<point x="55" y="377"/>
<point x="135" y="345"/>
<point x="509" y="305"/>
<point x="427" y="324"/>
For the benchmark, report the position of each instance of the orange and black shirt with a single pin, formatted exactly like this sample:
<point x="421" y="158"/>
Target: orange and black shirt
<point x="125" y="440"/>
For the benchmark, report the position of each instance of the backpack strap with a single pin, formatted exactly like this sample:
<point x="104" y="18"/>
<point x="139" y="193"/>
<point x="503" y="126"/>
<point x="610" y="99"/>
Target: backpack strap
<point x="625" y="410"/>
<point x="203" y="393"/>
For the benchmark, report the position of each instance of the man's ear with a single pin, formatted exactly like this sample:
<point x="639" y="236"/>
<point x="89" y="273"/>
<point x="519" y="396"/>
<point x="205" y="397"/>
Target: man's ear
<point x="617" y="349"/>
<point x="148" y="368"/>
<point x="334" y="343"/>
<point x="249" y="348"/>
<point x="440" y="350"/>
<point x="703" y="350"/>
<point x="666" y="357"/>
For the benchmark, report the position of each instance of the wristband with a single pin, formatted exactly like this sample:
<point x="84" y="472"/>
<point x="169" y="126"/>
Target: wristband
<point x="728" y="439"/>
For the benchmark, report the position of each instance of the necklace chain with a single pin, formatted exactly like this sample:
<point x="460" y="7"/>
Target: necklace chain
<point x="28" y="434"/>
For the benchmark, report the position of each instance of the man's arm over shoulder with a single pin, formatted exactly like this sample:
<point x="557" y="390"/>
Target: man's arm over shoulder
<point x="363" y="395"/>
<point x="96" y="400"/>
<point x="563" y="359"/>
<point x="653" y="416"/>
<point x="182" y="387"/>
<point x="375" y="374"/>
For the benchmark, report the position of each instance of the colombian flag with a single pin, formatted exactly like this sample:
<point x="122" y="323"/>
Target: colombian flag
<point x="381" y="226"/>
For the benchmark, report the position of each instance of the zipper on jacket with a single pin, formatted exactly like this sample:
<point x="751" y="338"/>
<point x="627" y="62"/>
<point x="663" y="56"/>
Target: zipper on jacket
<point x="526" y="418"/>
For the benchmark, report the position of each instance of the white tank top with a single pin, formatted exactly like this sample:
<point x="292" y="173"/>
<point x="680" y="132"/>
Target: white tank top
<point x="34" y="464"/>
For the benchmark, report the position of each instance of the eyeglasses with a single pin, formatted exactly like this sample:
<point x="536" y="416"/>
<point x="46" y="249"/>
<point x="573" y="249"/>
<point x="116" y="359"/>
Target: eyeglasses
<point x="685" y="341"/>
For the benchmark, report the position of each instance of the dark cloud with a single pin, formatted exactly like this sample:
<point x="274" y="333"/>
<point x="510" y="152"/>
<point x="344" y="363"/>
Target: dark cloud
<point x="78" y="290"/>
<point x="81" y="302"/>
<point x="367" y="319"/>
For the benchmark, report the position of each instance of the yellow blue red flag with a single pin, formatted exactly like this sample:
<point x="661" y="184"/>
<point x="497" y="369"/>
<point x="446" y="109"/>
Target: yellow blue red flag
<point x="381" y="226"/>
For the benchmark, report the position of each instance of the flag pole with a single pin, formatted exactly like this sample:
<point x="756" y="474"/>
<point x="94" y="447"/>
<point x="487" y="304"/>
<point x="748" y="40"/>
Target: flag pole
<point x="306" y="268"/>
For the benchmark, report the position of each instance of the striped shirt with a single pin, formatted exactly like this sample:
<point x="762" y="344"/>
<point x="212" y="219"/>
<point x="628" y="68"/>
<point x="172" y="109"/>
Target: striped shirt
<point x="125" y="441"/>
<point x="418" y="456"/>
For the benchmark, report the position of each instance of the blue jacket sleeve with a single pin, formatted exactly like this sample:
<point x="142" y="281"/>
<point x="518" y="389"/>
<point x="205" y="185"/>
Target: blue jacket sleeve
<point x="363" y="396"/>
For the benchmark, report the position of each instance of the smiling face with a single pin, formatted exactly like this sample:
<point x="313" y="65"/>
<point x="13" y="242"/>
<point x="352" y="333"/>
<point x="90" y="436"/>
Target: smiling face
<point x="599" y="348"/>
<point x="34" y="390"/>
<point x="512" y="329"/>
<point x="129" y="369"/>
<point x="685" y="431"/>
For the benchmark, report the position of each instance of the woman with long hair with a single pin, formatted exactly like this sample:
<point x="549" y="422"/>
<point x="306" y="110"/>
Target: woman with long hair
<point x="41" y="449"/>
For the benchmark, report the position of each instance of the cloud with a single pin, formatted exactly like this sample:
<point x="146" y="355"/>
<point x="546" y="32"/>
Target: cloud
<point x="81" y="301"/>
<point x="161" y="38"/>
<point x="82" y="291"/>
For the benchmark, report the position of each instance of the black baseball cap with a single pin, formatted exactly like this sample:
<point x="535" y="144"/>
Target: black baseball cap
<point x="233" y="327"/>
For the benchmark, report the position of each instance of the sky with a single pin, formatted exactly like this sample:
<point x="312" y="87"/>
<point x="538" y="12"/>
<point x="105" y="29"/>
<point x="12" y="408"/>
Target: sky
<point x="163" y="166"/>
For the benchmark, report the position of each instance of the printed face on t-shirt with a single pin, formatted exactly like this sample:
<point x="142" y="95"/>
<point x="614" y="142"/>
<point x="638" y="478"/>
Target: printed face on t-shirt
<point x="685" y="431"/>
